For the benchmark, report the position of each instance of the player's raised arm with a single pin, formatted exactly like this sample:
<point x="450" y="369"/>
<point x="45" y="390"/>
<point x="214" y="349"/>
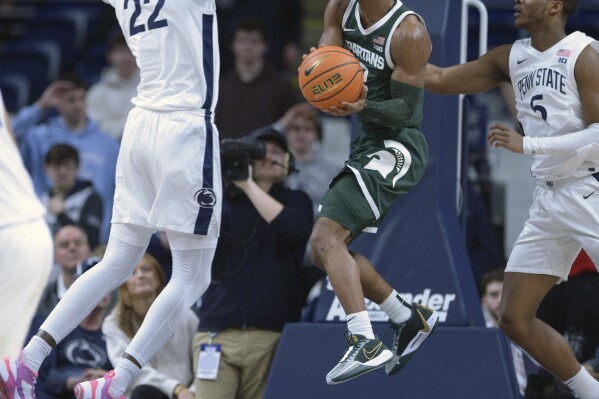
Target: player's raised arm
<point x="333" y="19"/>
<point x="472" y="77"/>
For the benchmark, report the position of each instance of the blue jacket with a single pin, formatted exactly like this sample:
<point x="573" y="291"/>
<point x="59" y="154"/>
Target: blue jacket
<point x="97" y="150"/>
<point x="257" y="268"/>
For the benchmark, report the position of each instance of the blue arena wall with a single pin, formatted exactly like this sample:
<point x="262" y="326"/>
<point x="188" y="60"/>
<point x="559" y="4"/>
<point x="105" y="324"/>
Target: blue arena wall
<point x="455" y="363"/>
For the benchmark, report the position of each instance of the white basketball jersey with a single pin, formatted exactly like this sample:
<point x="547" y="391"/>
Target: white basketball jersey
<point x="548" y="102"/>
<point x="175" y="44"/>
<point x="18" y="203"/>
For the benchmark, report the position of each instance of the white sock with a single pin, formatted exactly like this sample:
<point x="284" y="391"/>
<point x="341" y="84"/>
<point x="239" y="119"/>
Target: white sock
<point x="125" y="372"/>
<point x="398" y="309"/>
<point x="359" y="323"/>
<point x="35" y="352"/>
<point x="583" y="385"/>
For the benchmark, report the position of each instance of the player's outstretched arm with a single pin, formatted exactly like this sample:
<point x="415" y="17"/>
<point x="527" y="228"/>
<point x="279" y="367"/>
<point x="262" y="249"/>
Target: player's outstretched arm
<point x="472" y="77"/>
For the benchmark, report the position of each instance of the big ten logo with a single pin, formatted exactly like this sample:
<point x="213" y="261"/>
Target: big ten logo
<point x="326" y="85"/>
<point x="436" y="301"/>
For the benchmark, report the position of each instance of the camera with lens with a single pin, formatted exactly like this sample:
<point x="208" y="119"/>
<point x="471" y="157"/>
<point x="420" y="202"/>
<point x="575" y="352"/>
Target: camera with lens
<point x="236" y="154"/>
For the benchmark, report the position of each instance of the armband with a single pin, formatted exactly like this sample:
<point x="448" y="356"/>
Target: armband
<point x="403" y="110"/>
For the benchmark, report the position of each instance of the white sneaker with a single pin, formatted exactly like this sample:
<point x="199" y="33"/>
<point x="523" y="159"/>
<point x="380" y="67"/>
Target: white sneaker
<point x="96" y="389"/>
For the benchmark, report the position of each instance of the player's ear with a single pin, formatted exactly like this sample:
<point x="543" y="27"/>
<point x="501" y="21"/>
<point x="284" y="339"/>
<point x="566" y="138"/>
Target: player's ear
<point x="556" y="6"/>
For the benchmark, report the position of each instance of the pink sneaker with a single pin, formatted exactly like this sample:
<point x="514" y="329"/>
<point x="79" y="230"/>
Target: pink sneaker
<point x="95" y="389"/>
<point x="16" y="380"/>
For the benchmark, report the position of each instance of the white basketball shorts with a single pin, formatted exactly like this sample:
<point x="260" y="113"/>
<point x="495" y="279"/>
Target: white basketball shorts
<point x="563" y="219"/>
<point x="168" y="172"/>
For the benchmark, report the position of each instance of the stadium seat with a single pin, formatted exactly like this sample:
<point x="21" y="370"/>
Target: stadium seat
<point x="66" y="28"/>
<point x="15" y="91"/>
<point x="89" y="67"/>
<point x="39" y="61"/>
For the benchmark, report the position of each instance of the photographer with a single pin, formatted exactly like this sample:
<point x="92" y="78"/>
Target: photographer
<point x="256" y="273"/>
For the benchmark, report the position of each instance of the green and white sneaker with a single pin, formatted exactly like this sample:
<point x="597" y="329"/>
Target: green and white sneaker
<point x="362" y="356"/>
<point x="410" y="335"/>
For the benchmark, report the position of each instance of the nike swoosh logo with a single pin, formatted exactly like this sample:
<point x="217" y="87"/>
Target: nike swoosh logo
<point x="587" y="196"/>
<point x="370" y="354"/>
<point x="308" y="71"/>
<point x="521" y="61"/>
<point x="426" y="328"/>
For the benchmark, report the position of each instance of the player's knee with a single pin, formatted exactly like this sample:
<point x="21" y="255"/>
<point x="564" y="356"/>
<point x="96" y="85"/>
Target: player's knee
<point x="320" y="246"/>
<point x="511" y="324"/>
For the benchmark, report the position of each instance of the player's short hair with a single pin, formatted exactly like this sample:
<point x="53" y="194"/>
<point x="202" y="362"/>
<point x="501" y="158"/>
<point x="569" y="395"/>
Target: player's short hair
<point x="569" y="7"/>
<point x="59" y="154"/>
<point x="252" y="25"/>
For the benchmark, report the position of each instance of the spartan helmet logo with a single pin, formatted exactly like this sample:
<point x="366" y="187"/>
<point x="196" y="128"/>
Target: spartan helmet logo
<point x="206" y="198"/>
<point x="396" y="159"/>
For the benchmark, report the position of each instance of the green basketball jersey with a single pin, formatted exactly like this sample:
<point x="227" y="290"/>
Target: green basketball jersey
<point x="372" y="47"/>
<point x="385" y="162"/>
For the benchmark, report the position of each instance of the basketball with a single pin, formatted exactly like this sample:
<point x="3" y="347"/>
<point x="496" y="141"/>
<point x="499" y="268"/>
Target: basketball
<point x="329" y="76"/>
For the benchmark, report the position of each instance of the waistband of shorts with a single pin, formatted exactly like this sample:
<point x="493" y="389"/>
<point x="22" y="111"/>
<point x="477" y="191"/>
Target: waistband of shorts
<point x="199" y="112"/>
<point x="561" y="183"/>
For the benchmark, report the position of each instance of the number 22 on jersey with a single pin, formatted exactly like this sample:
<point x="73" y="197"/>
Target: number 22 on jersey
<point x="153" y="22"/>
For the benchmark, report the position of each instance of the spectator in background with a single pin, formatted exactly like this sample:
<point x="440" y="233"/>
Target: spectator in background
<point x="160" y="248"/>
<point x="71" y="200"/>
<point x="571" y="308"/>
<point x="256" y="276"/>
<point x="97" y="150"/>
<point x="304" y="136"/>
<point x="252" y="93"/>
<point x="282" y="19"/>
<point x="169" y="373"/>
<point x="81" y="356"/>
<point x="70" y="248"/>
<point x="491" y="286"/>
<point x="109" y="100"/>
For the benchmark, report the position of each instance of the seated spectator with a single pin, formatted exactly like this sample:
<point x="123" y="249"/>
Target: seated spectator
<point x="71" y="200"/>
<point x="572" y="310"/>
<point x="109" y="100"/>
<point x="592" y="366"/>
<point x="491" y="286"/>
<point x="80" y="356"/>
<point x="70" y="248"/>
<point x="169" y="374"/>
<point x="256" y="275"/>
<point x="252" y="93"/>
<point x="160" y="249"/>
<point x="97" y="150"/>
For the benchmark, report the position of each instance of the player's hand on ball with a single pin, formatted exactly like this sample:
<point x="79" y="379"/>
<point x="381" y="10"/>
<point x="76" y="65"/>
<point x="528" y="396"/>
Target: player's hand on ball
<point x="502" y="136"/>
<point x="349" y="108"/>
